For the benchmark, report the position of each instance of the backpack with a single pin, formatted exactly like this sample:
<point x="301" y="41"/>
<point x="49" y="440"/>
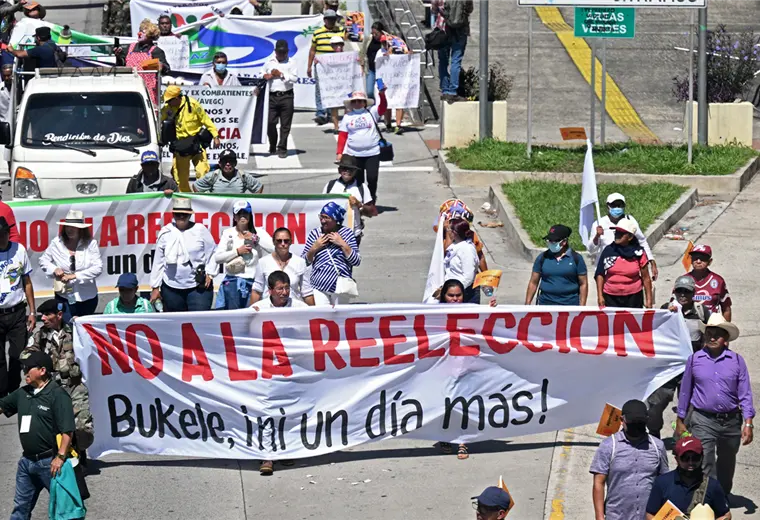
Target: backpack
<point x="332" y="183"/>
<point x="60" y="54"/>
<point x="455" y="13"/>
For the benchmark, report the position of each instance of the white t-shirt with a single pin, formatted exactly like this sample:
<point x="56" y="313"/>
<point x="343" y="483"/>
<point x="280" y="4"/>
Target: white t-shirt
<point x="229" y="243"/>
<point x="364" y="196"/>
<point x="296" y="269"/>
<point x="363" y="139"/>
<point x="461" y="262"/>
<point x="14" y="263"/>
<point x="267" y="304"/>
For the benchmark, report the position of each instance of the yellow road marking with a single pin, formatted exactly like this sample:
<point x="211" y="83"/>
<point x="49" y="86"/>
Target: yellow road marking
<point x="619" y="108"/>
<point x="558" y="499"/>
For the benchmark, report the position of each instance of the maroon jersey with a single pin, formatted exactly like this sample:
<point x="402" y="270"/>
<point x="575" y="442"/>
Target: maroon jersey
<point x="712" y="292"/>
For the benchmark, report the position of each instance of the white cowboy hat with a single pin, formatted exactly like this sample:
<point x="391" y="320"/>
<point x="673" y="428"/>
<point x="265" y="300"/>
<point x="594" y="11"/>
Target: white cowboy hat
<point x="358" y="95"/>
<point x="74" y="218"/>
<point x="717" y="320"/>
<point x="181" y="205"/>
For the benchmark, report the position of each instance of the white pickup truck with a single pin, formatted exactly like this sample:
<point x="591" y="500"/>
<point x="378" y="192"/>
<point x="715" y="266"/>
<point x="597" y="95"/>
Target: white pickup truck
<point x="79" y="132"/>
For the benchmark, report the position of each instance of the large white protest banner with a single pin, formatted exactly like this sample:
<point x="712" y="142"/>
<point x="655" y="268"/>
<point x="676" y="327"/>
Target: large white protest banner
<point x="126" y="226"/>
<point x="182" y="12"/>
<point x="249" y="43"/>
<point x="288" y="383"/>
<point x="339" y="74"/>
<point x="177" y="49"/>
<point x="238" y="114"/>
<point x="401" y="74"/>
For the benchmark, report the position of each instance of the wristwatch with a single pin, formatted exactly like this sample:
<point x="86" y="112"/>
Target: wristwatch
<point x="749" y="425"/>
<point x="61" y="456"/>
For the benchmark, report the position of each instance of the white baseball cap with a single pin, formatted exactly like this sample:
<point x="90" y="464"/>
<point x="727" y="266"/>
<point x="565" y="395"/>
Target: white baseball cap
<point x="627" y="225"/>
<point x="612" y="197"/>
<point x="336" y="39"/>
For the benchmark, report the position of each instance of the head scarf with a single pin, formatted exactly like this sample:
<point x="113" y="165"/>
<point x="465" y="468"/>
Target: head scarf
<point x="334" y="211"/>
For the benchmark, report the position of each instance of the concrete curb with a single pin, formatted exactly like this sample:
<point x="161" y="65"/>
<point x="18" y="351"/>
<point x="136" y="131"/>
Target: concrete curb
<point x="722" y="185"/>
<point x="520" y="240"/>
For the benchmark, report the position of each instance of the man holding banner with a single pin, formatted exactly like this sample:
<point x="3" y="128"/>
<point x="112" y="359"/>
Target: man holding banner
<point x="320" y="44"/>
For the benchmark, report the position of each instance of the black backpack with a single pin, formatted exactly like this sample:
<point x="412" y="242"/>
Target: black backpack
<point x="455" y="13"/>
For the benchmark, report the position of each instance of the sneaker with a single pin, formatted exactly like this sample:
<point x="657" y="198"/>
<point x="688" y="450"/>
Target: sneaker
<point x="266" y="467"/>
<point x="282" y="154"/>
<point x="320" y="120"/>
<point x="272" y="151"/>
<point x="398" y="131"/>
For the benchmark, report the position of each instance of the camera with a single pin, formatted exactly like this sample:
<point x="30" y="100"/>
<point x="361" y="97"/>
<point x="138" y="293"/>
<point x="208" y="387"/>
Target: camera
<point x="200" y="275"/>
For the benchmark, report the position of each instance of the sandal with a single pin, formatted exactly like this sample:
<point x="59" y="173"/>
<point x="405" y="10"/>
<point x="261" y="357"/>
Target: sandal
<point x="445" y="448"/>
<point x="266" y="467"/>
<point x="462" y="452"/>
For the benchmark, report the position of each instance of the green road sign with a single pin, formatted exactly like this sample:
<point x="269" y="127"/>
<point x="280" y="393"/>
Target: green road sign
<point x="605" y="22"/>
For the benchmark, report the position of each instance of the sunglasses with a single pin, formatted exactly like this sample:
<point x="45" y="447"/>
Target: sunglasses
<point x="700" y="258"/>
<point x="620" y="234"/>
<point x="282" y="240"/>
<point x="691" y="457"/>
<point x="73" y="259"/>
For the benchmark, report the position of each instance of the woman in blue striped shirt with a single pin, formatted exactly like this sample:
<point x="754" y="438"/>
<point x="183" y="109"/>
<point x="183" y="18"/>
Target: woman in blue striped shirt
<point x="331" y="250"/>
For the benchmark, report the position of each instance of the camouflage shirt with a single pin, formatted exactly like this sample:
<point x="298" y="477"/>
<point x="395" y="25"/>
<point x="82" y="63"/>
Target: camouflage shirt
<point x="116" y="18"/>
<point x="60" y="347"/>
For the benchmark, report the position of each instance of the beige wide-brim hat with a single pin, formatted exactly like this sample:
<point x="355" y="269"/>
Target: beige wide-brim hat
<point x="702" y="512"/>
<point x="359" y="96"/>
<point x="74" y="218"/>
<point x="180" y="205"/>
<point x="717" y="320"/>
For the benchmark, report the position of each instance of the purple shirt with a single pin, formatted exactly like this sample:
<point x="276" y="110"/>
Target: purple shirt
<point x="719" y="385"/>
<point x="630" y="474"/>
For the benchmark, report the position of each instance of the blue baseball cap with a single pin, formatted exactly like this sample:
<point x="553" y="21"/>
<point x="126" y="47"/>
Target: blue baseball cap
<point x="494" y="497"/>
<point x="127" y="281"/>
<point x="149" y="156"/>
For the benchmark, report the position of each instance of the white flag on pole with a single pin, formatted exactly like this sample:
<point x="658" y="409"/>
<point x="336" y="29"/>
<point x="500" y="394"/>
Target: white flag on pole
<point x="435" y="273"/>
<point x="589" y="197"/>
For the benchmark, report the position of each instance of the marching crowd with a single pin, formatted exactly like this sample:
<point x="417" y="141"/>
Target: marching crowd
<point x="630" y="469"/>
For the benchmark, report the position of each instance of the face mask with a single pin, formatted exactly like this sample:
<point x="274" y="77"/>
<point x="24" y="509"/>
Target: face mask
<point x="636" y="430"/>
<point x="554" y="247"/>
<point x="617" y="212"/>
<point x="220" y="67"/>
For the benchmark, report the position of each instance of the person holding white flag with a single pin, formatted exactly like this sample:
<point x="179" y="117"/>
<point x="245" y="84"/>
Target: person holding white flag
<point x="589" y="199"/>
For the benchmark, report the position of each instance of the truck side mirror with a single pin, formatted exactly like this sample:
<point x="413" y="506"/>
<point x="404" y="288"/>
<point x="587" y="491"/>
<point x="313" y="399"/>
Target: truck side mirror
<point x="5" y="133"/>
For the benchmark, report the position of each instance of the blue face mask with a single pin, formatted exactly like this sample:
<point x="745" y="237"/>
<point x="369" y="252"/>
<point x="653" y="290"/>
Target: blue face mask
<point x="617" y="212"/>
<point x="554" y="247"/>
<point x="220" y="67"/>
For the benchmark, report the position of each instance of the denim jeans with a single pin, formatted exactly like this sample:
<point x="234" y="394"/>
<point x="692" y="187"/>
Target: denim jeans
<point x="183" y="300"/>
<point x="321" y="112"/>
<point x="31" y="477"/>
<point x="370" y="86"/>
<point x="453" y="51"/>
<point x="236" y="292"/>
<point x="77" y="309"/>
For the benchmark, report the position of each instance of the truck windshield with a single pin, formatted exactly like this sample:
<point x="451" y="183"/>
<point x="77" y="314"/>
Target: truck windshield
<point x="94" y="119"/>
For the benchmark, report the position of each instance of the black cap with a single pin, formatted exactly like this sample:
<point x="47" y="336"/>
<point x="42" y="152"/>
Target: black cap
<point x="42" y="32"/>
<point x="227" y="156"/>
<point x="50" y="307"/>
<point x="494" y="497"/>
<point x="635" y="411"/>
<point x="558" y="232"/>
<point x="38" y="359"/>
<point x="281" y="46"/>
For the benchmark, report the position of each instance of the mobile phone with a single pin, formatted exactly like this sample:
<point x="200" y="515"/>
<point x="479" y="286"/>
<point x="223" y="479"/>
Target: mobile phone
<point x="380" y="84"/>
<point x="248" y="242"/>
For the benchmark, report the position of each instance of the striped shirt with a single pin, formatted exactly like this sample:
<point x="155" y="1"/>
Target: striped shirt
<point x="321" y="38"/>
<point x="324" y="277"/>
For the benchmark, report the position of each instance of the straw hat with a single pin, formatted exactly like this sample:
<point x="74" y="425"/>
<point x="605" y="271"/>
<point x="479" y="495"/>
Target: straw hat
<point x="358" y="95"/>
<point x="180" y="205"/>
<point x="74" y="218"/>
<point x="717" y="320"/>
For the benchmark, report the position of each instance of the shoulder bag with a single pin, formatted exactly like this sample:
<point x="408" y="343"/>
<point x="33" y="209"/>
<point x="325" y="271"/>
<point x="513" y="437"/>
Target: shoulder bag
<point x="386" y="148"/>
<point x="345" y="286"/>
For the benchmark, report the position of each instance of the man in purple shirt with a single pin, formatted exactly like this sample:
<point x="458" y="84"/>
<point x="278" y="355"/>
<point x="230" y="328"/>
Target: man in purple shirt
<point x="715" y="402"/>
<point x="627" y="462"/>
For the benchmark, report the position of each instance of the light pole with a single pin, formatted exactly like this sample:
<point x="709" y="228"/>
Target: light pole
<point x="702" y="77"/>
<point x="485" y="119"/>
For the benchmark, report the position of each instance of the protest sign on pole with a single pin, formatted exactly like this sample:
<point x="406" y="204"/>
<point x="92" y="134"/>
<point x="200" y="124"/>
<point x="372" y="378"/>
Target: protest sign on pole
<point x="126" y="226"/>
<point x="291" y="383"/>
<point x="249" y="43"/>
<point x="401" y="74"/>
<point x="435" y="272"/>
<point x="182" y="12"/>
<point x="339" y="74"/>
<point x="177" y="49"/>
<point x="238" y="113"/>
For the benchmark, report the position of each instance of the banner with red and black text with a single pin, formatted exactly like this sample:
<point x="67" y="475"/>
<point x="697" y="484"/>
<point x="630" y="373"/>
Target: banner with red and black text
<point x="290" y="383"/>
<point x="126" y="226"/>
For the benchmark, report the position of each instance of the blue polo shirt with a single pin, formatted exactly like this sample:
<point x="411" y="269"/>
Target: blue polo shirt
<point x="559" y="278"/>
<point x="44" y="54"/>
<point x="670" y="487"/>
